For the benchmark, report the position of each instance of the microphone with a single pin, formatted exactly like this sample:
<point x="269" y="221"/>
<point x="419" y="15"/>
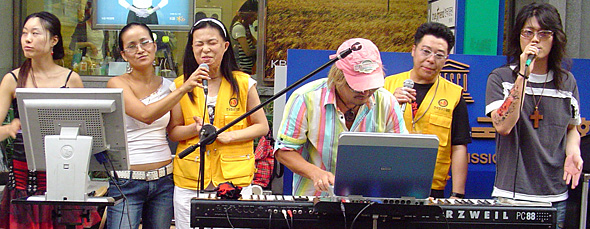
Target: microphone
<point x="355" y="47"/>
<point x="205" y="83"/>
<point x="529" y="59"/>
<point x="408" y="83"/>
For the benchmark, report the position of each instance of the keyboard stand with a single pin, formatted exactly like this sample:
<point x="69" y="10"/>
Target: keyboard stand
<point x="69" y="207"/>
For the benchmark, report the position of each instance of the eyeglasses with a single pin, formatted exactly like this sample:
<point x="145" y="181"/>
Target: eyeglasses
<point x="427" y="53"/>
<point x="541" y="34"/>
<point x="145" y="44"/>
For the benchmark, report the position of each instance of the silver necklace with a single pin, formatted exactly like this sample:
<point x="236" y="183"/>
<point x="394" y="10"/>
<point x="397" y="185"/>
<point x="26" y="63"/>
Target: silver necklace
<point x="434" y="96"/>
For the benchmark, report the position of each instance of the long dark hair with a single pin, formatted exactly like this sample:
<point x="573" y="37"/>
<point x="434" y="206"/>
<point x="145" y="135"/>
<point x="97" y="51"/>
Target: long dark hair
<point x="127" y="27"/>
<point x="52" y="24"/>
<point x="548" y="18"/>
<point x="228" y="63"/>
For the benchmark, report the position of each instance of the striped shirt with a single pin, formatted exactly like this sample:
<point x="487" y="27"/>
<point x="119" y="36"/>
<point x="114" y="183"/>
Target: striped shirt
<point x="530" y="160"/>
<point x="245" y="62"/>
<point x="312" y="124"/>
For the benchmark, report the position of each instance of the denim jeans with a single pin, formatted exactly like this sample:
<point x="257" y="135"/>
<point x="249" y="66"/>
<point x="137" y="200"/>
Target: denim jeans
<point x="148" y="202"/>
<point x="561" y="207"/>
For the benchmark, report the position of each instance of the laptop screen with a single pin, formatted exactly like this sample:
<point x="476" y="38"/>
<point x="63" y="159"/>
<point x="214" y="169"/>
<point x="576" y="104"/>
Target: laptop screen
<point x="385" y="164"/>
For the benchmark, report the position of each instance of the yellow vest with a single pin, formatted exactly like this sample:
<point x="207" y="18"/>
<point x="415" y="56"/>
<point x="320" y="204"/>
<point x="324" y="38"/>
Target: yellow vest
<point x="223" y="162"/>
<point x="436" y="120"/>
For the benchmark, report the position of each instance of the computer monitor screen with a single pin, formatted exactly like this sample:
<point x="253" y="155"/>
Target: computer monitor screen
<point x="175" y="15"/>
<point x="63" y="127"/>
<point x="385" y="164"/>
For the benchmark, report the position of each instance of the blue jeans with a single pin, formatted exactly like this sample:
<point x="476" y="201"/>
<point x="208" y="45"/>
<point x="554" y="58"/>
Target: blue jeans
<point x="561" y="207"/>
<point x="148" y="202"/>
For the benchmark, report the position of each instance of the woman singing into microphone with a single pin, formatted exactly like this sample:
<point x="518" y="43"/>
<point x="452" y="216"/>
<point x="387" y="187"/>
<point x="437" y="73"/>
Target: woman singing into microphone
<point x="148" y="101"/>
<point x="231" y="94"/>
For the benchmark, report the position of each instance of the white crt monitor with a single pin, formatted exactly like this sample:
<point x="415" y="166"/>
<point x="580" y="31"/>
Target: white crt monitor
<point x="63" y="127"/>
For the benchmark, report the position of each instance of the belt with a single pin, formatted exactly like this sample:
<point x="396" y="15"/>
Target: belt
<point x="146" y="175"/>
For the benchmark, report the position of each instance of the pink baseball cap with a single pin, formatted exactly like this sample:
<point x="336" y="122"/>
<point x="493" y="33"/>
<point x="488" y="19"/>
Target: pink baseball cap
<point x="362" y="69"/>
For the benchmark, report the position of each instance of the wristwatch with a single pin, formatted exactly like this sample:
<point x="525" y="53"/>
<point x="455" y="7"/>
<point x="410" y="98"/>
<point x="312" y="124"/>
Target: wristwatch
<point x="458" y="195"/>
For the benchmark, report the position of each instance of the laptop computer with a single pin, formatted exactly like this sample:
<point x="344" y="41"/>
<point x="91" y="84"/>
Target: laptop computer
<point x="385" y="165"/>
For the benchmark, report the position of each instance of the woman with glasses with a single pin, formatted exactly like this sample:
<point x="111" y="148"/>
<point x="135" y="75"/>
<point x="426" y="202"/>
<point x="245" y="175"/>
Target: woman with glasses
<point x="230" y="94"/>
<point x="534" y="105"/>
<point x="148" y="186"/>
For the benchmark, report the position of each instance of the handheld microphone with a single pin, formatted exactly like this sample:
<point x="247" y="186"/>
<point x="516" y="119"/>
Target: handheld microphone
<point x="205" y="83"/>
<point x="408" y="83"/>
<point x="530" y="59"/>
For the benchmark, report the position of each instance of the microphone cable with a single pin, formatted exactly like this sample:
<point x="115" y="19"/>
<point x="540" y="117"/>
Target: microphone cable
<point x="228" y="220"/>
<point x="269" y="219"/>
<point x="359" y="213"/>
<point x="343" y="212"/>
<point x="444" y="217"/>
<point x="201" y="160"/>
<point x="518" y="126"/>
<point x="115" y="182"/>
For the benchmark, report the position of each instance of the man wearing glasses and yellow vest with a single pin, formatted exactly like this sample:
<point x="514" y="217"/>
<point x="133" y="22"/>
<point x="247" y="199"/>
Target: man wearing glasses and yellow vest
<point x="434" y="105"/>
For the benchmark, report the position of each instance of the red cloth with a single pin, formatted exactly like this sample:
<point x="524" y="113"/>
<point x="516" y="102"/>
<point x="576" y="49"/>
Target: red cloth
<point x="265" y="161"/>
<point x="36" y="216"/>
<point x="229" y="191"/>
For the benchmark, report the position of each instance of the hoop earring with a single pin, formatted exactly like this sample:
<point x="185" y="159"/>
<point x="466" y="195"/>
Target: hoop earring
<point x="129" y="68"/>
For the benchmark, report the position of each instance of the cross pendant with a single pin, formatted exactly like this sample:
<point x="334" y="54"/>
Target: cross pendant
<point x="536" y="116"/>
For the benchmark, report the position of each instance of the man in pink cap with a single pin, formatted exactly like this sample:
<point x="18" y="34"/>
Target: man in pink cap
<point x="352" y="98"/>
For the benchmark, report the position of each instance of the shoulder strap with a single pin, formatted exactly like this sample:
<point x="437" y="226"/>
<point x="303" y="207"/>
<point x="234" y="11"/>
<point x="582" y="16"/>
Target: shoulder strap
<point x="67" y="79"/>
<point x="14" y="76"/>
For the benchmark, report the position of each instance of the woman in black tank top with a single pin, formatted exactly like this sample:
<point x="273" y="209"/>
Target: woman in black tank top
<point x="42" y="43"/>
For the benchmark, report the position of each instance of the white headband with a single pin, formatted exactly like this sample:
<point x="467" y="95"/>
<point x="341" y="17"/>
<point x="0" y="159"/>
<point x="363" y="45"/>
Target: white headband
<point x="211" y="20"/>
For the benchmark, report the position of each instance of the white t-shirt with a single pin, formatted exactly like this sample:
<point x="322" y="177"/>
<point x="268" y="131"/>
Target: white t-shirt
<point x="148" y="143"/>
<point x="238" y="30"/>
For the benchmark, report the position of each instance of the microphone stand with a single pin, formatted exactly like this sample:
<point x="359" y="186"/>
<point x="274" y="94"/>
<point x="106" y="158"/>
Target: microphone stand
<point x="518" y="148"/>
<point x="206" y="131"/>
<point x="210" y="135"/>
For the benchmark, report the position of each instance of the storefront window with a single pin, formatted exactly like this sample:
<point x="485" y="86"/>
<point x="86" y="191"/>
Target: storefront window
<point x="92" y="48"/>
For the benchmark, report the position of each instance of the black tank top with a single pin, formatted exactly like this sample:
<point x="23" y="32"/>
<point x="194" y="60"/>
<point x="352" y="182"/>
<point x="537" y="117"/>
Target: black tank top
<point x="14" y="103"/>
<point x="19" y="150"/>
